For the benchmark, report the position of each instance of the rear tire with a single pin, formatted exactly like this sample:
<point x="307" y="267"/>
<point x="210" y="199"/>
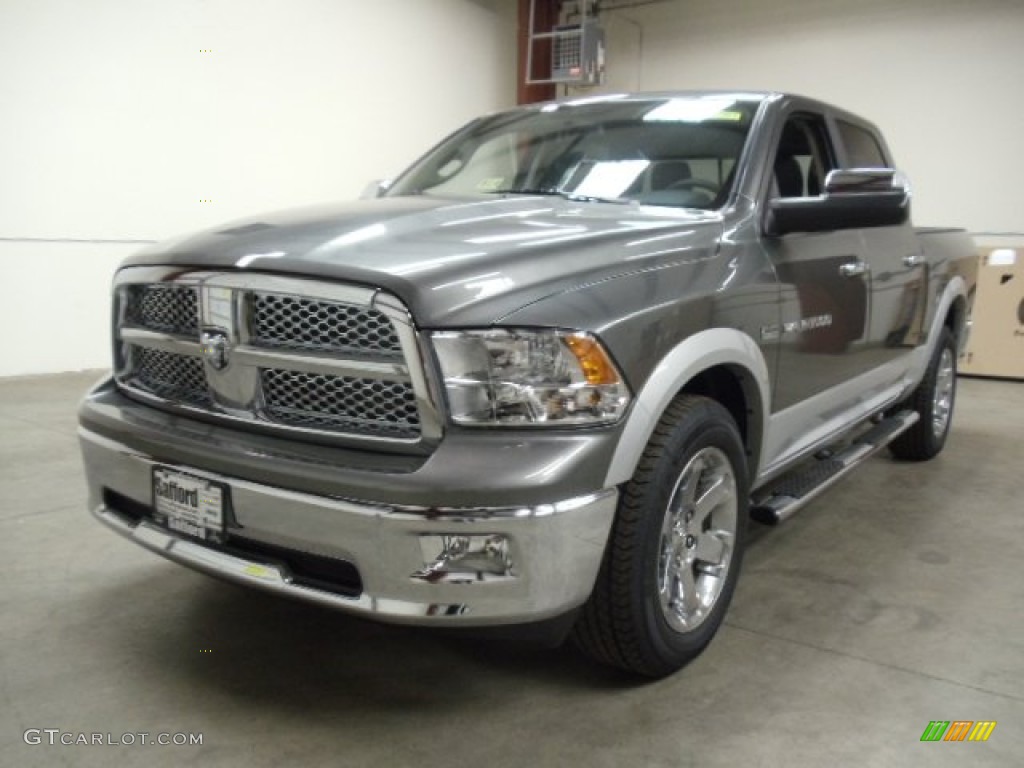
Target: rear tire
<point x="933" y="400"/>
<point x="676" y="545"/>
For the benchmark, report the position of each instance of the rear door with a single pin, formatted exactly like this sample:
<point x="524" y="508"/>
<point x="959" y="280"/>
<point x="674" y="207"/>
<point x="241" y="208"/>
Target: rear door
<point x="894" y="256"/>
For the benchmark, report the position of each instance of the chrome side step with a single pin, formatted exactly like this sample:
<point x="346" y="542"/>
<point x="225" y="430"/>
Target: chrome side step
<point x="792" y="491"/>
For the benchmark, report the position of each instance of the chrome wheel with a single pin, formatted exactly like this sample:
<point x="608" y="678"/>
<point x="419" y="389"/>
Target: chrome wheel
<point x="945" y="385"/>
<point x="697" y="539"/>
<point x="676" y="545"/>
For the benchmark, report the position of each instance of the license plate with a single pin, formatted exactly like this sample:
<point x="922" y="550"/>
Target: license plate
<point x="188" y="504"/>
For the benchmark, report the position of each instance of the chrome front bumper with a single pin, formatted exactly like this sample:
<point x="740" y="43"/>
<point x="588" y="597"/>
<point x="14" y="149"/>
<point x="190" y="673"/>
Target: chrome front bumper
<point x="553" y="551"/>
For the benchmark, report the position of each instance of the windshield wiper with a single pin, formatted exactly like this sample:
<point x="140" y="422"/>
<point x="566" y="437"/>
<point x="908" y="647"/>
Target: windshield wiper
<point x="596" y="199"/>
<point x="555" y="192"/>
<point x="526" y="191"/>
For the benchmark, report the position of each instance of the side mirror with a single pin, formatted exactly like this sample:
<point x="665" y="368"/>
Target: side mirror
<point x="375" y="189"/>
<point x="852" y="199"/>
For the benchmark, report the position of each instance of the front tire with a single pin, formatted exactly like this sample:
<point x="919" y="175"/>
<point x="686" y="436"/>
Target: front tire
<point x="933" y="400"/>
<point x="676" y="546"/>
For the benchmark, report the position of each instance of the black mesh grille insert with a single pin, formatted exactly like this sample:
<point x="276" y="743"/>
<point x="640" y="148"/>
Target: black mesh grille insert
<point x="341" y="403"/>
<point x="173" y="377"/>
<point x="166" y="308"/>
<point x="296" y="323"/>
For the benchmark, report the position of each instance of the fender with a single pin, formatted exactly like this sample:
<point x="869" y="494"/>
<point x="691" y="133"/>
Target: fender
<point x="955" y="289"/>
<point x="698" y="353"/>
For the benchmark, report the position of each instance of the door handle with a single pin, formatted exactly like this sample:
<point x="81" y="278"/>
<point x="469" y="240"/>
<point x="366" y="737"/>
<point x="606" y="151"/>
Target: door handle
<point x="853" y="268"/>
<point x="913" y="260"/>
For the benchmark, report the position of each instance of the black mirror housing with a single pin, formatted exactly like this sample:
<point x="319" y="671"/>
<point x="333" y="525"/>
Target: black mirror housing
<point x="853" y="199"/>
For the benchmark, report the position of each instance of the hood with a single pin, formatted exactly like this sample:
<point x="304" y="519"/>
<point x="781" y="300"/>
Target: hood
<point x="454" y="262"/>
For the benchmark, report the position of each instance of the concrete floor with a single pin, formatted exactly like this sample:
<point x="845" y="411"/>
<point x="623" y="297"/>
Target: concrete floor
<point x="894" y="600"/>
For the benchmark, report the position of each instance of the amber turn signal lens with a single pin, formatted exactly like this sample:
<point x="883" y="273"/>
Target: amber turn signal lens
<point x="594" y="361"/>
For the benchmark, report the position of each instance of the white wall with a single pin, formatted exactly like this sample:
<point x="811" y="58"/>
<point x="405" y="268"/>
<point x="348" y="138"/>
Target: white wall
<point x="122" y="118"/>
<point x="941" y="78"/>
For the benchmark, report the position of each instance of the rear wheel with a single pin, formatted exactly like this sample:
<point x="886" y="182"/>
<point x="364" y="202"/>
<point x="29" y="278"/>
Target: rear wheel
<point x="933" y="400"/>
<point x="676" y="545"/>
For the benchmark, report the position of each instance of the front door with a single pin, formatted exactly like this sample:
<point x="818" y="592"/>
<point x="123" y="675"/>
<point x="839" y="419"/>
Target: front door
<point x="825" y="281"/>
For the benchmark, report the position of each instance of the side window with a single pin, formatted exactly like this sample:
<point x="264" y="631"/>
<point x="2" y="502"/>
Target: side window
<point x="803" y="158"/>
<point x="862" y="150"/>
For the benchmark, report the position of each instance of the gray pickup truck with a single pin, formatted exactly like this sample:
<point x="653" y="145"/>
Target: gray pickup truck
<point x="544" y="377"/>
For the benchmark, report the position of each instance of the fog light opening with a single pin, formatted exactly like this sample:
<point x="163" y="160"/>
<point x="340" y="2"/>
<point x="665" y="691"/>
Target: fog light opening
<point x="459" y="559"/>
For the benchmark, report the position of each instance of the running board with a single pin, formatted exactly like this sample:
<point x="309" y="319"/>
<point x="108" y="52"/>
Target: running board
<point x="788" y="494"/>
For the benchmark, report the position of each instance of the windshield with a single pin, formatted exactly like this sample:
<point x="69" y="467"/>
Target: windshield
<point x="667" y="151"/>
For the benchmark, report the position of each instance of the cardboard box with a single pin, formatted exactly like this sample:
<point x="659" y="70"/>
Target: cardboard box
<point x="996" y="344"/>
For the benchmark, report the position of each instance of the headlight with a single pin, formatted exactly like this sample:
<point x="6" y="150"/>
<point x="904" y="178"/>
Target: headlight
<point x="522" y="378"/>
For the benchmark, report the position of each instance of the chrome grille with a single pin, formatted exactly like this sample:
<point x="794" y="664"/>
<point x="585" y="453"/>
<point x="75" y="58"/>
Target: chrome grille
<point x="168" y="308"/>
<point x="327" y="361"/>
<point x="340" y="402"/>
<point x="293" y="322"/>
<point x="169" y="376"/>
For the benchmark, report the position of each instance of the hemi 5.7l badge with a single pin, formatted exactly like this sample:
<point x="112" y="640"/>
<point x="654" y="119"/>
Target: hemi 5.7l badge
<point x="769" y="332"/>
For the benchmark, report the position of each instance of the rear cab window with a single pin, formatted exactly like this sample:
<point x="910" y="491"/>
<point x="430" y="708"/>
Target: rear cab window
<point x="862" y="148"/>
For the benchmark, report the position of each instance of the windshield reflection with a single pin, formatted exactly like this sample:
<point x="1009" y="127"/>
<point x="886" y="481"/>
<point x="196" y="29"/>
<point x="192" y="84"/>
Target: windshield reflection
<point x="677" y="151"/>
